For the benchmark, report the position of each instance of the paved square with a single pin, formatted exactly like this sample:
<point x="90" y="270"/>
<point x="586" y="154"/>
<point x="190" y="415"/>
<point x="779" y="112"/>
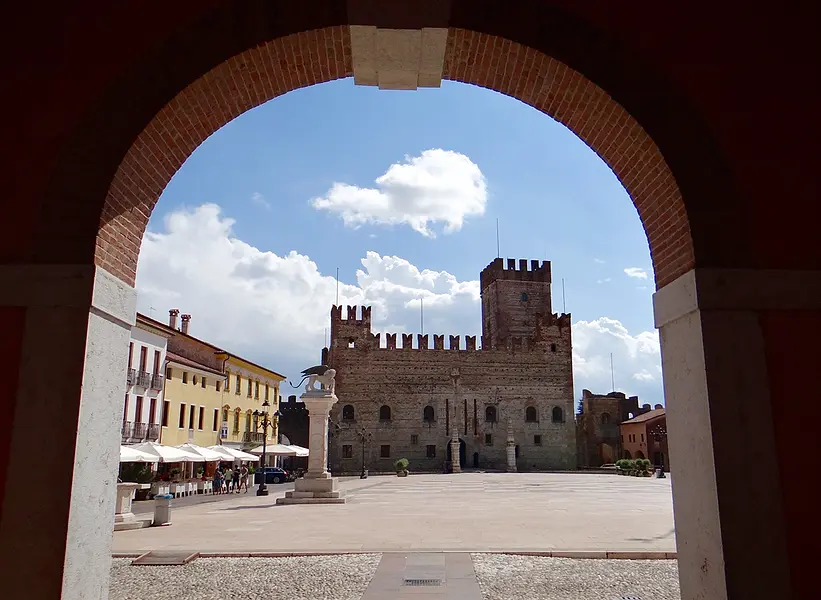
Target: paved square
<point x="460" y="512"/>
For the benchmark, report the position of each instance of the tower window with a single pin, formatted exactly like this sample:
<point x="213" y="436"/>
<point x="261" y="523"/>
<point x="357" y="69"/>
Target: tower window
<point x="524" y="296"/>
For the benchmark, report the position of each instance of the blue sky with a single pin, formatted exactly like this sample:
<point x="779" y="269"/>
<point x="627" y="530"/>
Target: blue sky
<point x="554" y="198"/>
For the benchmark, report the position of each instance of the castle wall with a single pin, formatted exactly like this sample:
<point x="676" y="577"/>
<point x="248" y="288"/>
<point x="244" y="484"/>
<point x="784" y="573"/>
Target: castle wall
<point x="409" y="373"/>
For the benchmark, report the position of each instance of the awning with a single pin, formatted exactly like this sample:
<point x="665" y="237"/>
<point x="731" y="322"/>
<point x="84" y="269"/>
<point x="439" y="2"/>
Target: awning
<point x="233" y="454"/>
<point x="130" y="454"/>
<point x="300" y="451"/>
<point x="276" y="450"/>
<point x="207" y="454"/>
<point x="167" y="454"/>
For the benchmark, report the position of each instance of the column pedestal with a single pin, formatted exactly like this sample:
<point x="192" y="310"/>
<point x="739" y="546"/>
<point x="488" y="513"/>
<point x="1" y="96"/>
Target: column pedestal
<point x="455" y="455"/>
<point x="511" y="449"/>
<point x="316" y="486"/>
<point x="123" y="517"/>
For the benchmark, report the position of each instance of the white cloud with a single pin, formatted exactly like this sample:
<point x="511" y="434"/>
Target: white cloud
<point x="259" y="200"/>
<point x="605" y="280"/>
<point x="636" y="272"/>
<point x="598" y="261"/>
<point x="635" y="359"/>
<point x="438" y="186"/>
<point x="274" y="309"/>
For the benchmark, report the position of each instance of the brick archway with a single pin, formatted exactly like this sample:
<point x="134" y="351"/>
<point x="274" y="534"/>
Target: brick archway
<point x="108" y="106"/>
<point x="276" y="67"/>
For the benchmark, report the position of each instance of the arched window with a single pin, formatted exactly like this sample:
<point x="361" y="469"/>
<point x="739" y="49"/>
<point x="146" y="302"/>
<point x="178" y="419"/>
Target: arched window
<point x="385" y="413"/>
<point x="248" y="421"/>
<point x="347" y="412"/>
<point x="605" y="418"/>
<point x="490" y="414"/>
<point x="558" y="416"/>
<point x="236" y="421"/>
<point x="530" y="414"/>
<point x="428" y="414"/>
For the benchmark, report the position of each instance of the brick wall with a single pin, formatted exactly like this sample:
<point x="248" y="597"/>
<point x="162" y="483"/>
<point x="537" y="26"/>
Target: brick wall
<point x="459" y="381"/>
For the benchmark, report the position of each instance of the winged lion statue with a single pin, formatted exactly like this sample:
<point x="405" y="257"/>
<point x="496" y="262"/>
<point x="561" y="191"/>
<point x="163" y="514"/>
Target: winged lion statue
<point x="321" y="374"/>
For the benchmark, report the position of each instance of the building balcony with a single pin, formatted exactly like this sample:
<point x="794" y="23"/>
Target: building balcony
<point x="139" y="431"/>
<point x="153" y="432"/>
<point x="253" y="437"/>
<point x="131" y="377"/>
<point x="156" y="381"/>
<point x="128" y="426"/>
<point x="143" y="379"/>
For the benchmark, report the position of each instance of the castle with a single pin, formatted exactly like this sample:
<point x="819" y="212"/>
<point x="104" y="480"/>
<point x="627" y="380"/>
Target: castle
<point x="406" y="402"/>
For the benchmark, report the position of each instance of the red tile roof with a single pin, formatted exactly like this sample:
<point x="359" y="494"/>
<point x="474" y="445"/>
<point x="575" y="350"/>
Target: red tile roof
<point x="659" y="412"/>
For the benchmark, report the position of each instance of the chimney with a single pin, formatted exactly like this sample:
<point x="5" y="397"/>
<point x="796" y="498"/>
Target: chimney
<point x="186" y="319"/>
<point x="172" y="317"/>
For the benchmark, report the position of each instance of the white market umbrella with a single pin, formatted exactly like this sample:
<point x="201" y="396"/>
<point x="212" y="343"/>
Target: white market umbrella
<point x="276" y="450"/>
<point x="168" y="454"/>
<point x="232" y="454"/>
<point x="207" y="454"/>
<point x="131" y="454"/>
<point x="300" y="451"/>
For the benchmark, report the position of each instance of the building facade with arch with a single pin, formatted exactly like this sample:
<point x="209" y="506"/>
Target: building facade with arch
<point x="407" y="401"/>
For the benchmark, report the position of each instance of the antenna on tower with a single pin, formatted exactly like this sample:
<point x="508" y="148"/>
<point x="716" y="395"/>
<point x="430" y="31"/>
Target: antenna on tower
<point x="612" y="376"/>
<point x="422" y="315"/>
<point x="498" y="250"/>
<point x="564" y="303"/>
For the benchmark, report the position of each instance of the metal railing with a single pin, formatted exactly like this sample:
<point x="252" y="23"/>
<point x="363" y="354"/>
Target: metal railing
<point x="153" y="432"/>
<point x="156" y="381"/>
<point x="127" y="427"/>
<point x="131" y="377"/>
<point x="140" y="429"/>
<point x="253" y="437"/>
<point x="143" y="379"/>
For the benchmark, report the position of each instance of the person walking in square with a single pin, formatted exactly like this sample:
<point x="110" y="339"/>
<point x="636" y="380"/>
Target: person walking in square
<point x="229" y="476"/>
<point x="217" y="481"/>
<point x="243" y="478"/>
<point x="235" y="479"/>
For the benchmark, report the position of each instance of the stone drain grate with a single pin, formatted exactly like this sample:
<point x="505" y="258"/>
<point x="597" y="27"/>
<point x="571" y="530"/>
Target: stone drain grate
<point x="628" y="598"/>
<point x="422" y="582"/>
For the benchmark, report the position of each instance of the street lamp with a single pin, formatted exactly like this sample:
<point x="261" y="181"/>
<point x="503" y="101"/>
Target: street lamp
<point x="364" y="436"/>
<point x="262" y="490"/>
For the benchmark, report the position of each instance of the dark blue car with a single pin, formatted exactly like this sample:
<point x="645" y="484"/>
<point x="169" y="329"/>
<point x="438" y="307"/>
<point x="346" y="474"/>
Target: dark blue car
<point x="272" y="475"/>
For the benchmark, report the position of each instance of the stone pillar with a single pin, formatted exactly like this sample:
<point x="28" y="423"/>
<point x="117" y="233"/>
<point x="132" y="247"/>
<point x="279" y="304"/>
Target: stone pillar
<point x="511" y="448"/>
<point x="123" y="517"/>
<point x="316" y="486"/>
<point x="71" y="325"/>
<point x="455" y="445"/>
<point x="727" y="474"/>
<point x="455" y="450"/>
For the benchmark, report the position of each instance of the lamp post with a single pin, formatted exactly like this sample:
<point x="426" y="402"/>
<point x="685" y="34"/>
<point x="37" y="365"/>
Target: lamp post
<point x="364" y="436"/>
<point x="262" y="490"/>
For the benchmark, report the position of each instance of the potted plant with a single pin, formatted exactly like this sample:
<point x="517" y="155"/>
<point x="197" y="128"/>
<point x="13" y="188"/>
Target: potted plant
<point x="401" y="467"/>
<point x="200" y="473"/>
<point x="175" y="474"/>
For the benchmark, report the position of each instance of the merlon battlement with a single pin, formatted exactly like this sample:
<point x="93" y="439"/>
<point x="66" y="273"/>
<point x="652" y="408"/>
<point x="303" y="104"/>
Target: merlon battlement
<point x="496" y="271"/>
<point x="364" y="320"/>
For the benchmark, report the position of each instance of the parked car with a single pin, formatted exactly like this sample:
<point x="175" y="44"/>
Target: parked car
<point x="272" y="475"/>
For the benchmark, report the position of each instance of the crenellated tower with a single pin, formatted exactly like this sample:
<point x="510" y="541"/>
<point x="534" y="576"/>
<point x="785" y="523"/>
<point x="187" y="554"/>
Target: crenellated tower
<point x="513" y="299"/>
<point x="352" y="331"/>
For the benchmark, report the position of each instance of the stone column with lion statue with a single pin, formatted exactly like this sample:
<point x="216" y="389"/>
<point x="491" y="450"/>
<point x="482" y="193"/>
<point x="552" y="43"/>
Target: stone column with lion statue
<point x="317" y="486"/>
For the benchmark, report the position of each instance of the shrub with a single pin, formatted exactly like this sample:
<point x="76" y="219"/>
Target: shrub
<point x="401" y="464"/>
<point x="136" y="473"/>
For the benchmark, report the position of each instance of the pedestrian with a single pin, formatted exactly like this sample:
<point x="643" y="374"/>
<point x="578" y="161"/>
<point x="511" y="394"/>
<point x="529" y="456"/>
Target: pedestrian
<point x="243" y="472"/>
<point x="217" y="481"/>
<point x="236" y="479"/>
<point x="229" y="475"/>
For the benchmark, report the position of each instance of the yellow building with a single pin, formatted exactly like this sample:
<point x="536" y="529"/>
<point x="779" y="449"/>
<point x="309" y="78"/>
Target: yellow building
<point x="248" y="387"/>
<point x="211" y="395"/>
<point x="192" y="402"/>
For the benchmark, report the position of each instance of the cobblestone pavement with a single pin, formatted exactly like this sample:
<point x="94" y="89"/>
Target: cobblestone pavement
<point x="469" y="512"/>
<point x="506" y="577"/>
<point x="374" y="576"/>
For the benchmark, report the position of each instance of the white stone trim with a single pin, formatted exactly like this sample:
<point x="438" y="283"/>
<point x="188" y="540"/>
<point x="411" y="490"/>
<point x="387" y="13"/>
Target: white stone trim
<point x="737" y="289"/>
<point x="398" y="59"/>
